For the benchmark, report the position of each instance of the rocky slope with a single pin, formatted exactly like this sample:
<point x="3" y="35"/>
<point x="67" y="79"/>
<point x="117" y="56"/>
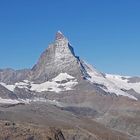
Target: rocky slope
<point x="58" y="58"/>
<point x="59" y="62"/>
<point x="44" y="121"/>
<point x="62" y="79"/>
<point x="21" y="131"/>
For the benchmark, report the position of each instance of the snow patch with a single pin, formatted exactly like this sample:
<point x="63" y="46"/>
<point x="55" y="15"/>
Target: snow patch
<point x="62" y="77"/>
<point x="9" y="87"/>
<point x="23" y="84"/>
<point x="47" y="86"/>
<point x="8" y="101"/>
<point x="62" y="82"/>
<point x="99" y="78"/>
<point x="54" y="86"/>
<point x="123" y="83"/>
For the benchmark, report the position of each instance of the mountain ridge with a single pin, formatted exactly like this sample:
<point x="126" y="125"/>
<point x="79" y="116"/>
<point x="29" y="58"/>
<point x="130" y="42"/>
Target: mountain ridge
<point x="62" y="90"/>
<point x="59" y="58"/>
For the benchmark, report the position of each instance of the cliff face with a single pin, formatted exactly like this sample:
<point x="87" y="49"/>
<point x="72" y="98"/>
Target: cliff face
<point x="58" y="58"/>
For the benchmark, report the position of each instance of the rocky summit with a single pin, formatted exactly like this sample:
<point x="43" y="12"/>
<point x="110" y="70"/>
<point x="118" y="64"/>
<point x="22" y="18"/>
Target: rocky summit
<point x="58" y="58"/>
<point x="63" y="93"/>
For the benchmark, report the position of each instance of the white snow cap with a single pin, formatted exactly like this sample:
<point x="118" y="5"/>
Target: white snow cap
<point x="111" y="84"/>
<point x="59" y="35"/>
<point x="63" y="76"/>
<point x="59" y="32"/>
<point x="54" y="86"/>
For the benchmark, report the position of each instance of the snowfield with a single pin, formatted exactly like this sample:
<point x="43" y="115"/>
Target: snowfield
<point x="113" y="84"/>
<point x="63" y="76"/>
<point x="109" y="83"/>
<point x="8" y="101"/>
<point x="9" y="87"/>
<point x="62" y="82"/>
<point x="123" y="83"/>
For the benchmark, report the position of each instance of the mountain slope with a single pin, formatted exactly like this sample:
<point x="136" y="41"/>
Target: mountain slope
<point x="58" y="60"/>
<point x="61" y="89"/>
<point x="37" y="119"/>
<point x="10" y="76"/>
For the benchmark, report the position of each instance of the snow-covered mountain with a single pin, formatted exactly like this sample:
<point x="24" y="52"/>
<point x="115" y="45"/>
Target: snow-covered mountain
<point x="58" y="58"/>
<point x="59" y="70"/>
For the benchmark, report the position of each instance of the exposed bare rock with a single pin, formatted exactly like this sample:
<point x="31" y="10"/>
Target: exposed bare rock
<point x="6" y="94"/>
<point x="61" y="97"/>
<point x="22" y="131"/>
<point x="10" y="76"/>
<point x="58" y="58"/>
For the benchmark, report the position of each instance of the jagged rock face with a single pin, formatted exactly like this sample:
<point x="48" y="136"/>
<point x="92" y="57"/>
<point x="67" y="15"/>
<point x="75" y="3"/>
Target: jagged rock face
<point x="134" y="80"/>
<point x="58" y="58"/>
<point x="59" y="61"/>
<point x="10" y="76"/>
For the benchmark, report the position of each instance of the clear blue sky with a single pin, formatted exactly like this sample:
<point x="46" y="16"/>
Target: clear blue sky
<point x="106" y="33"/>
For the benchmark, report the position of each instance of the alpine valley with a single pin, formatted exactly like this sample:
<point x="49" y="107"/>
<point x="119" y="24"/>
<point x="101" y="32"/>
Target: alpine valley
<point x="64" y="98"/>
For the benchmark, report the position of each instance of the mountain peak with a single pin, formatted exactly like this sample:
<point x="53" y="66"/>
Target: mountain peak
<point x="58" y="58"/>
<point x="59" y="35"/>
